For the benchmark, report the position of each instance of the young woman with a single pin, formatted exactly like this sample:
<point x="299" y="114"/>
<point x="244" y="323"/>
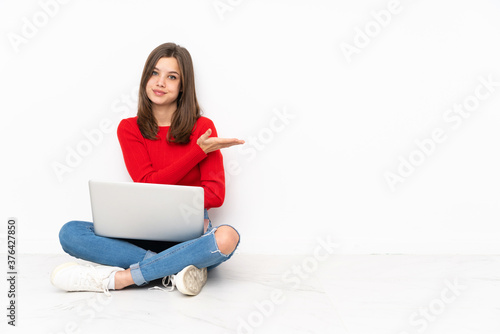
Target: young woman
<point x="168" y="142"/>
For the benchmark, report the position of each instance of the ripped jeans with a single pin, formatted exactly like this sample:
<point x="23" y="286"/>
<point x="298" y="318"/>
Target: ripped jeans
<point x="147" y="260"/>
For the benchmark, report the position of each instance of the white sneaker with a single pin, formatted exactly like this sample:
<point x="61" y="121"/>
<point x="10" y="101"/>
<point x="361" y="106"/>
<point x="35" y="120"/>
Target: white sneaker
<point x="77" y="277"/>
<point x="188" y="281"/>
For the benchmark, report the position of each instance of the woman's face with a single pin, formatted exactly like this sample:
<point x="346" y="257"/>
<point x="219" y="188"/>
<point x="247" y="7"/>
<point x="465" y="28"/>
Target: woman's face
<point x="163" y="86"/>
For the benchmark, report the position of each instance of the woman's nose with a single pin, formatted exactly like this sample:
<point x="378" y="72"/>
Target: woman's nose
<point x="161" y="81"/>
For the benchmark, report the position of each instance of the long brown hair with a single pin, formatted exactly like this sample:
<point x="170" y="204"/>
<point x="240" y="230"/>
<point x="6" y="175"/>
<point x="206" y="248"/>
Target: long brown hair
<point x="188" y="110"/>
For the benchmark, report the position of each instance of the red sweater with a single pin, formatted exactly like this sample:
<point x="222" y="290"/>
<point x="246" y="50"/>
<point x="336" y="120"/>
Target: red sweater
<point x="158" y="161"/>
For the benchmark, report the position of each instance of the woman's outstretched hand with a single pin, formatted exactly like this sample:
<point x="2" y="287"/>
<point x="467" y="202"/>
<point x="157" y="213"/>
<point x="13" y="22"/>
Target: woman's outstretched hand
<point x="209" y="144"/>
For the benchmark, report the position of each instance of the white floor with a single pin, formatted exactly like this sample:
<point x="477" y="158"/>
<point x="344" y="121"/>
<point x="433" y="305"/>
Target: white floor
<point x="281" y="294"/>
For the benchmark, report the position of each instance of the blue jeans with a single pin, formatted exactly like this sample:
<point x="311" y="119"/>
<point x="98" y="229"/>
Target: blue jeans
<point x="147" y="260"/>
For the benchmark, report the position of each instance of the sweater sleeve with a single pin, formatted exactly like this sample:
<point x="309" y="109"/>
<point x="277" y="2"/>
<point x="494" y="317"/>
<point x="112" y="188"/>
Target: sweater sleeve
<point x="212" y="172"/>
<point x="139" y="164"/>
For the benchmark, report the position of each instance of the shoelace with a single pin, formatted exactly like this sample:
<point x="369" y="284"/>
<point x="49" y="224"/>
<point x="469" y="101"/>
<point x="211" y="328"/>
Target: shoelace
<point x="170" y="280"/>
<point x="87" y="278"/>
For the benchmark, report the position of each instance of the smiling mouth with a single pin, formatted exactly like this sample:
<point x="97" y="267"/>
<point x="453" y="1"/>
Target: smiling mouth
<point x="159" y="92"/>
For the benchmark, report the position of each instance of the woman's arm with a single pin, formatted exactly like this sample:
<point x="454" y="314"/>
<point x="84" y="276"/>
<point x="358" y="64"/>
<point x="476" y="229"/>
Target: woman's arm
<point x="212" y="177"/>
<point x="206" y="153"/>
<point x="138" y="162"/>
<point x="212" y="168"/>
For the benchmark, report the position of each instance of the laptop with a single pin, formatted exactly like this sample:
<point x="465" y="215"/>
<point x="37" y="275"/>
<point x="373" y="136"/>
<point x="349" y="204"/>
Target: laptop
<point x="147" y="211"/>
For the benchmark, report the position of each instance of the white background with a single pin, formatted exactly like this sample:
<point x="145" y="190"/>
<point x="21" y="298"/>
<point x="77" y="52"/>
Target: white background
<point x="319" y="173"/>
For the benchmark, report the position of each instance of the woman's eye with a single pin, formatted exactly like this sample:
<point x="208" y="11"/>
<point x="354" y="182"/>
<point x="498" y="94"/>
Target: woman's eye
<point x="172" y="77"/>
<point x="155" y="73"/>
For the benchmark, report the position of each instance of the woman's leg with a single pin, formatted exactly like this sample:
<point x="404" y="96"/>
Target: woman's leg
<point x="216" y="246"/>
<point x="78" y="239"/>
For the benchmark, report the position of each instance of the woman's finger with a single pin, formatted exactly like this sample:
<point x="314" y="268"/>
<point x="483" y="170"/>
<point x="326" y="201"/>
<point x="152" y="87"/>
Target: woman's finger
<point x="206" y="134"/>
<point x="204" y="137"/>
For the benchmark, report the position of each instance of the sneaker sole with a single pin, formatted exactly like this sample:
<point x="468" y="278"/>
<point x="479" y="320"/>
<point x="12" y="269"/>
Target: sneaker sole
<point x="192" y="281"/>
